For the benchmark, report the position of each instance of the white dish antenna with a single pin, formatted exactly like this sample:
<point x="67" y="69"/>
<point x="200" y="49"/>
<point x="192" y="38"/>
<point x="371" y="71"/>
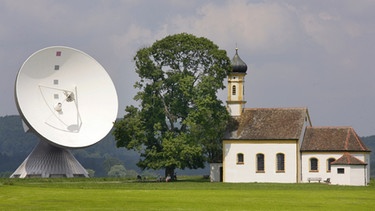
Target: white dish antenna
<point x="66" y="97"/>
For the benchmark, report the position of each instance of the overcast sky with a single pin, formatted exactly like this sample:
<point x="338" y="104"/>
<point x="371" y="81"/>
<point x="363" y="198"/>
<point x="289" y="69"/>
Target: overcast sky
<point x="300" y="53"/>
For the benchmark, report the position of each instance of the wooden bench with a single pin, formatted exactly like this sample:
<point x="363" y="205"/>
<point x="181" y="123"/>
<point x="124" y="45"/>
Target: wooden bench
<point x="314" y="179"/>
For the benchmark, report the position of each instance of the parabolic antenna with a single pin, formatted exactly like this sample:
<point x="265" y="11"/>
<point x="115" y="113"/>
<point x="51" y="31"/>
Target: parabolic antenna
<point x="66" y="97"/>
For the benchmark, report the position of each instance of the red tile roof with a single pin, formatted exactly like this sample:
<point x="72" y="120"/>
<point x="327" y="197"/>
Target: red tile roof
<point x="270" y="123"/>
<point x="332" y="139"/>
<point x="348" y="159"/>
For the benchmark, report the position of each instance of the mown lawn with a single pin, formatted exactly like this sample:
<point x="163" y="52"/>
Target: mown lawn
<point x="186" y="194"/>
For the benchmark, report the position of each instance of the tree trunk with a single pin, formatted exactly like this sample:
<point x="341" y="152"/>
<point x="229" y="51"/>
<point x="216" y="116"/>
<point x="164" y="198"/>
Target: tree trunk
<point x="169" y="171"/>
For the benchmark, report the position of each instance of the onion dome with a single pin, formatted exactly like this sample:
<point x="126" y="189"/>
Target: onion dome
<point x="238" y="65"/>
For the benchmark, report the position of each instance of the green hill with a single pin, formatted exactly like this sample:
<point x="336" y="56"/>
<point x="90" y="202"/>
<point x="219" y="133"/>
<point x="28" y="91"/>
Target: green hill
<point x="369" y="141"/>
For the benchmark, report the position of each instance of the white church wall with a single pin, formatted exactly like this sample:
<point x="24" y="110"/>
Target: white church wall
<point x="358" y="175"/>
<point x="349" y="175"/>
<point x="368" y="167"/>
<point x="342" y="178"/>
<point x="365" y="157"/>
<point x="247" y="172"/>
<point x="323" y="171"/>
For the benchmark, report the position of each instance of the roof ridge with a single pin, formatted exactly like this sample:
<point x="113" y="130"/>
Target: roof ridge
<point x="357" y="139"/>
<point x="274" y="108"/>
<point x="347" y="139"/>
<point x="330" y="127"/>
<point x="347" y="157"/>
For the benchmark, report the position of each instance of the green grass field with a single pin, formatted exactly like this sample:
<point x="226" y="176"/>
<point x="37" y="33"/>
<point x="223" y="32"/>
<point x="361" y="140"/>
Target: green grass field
<point x="189" y="193"/>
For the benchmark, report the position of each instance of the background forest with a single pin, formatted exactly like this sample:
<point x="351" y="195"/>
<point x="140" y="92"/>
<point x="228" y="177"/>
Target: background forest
<point x="100" y="159"/>
<point x="16" y="145"/>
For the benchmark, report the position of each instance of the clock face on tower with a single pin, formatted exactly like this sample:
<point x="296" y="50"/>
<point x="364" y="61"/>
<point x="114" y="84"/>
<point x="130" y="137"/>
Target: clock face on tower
<point x="66" y="96"/>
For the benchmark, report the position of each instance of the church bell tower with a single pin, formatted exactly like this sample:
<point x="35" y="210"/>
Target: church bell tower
<point x="236" y="81"/>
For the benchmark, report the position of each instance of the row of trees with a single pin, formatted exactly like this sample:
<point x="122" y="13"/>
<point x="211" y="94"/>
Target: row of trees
<point x="179" y="121"/>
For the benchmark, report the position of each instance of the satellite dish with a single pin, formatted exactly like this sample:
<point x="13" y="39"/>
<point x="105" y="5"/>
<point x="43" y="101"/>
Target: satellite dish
<point x="65" y="97"/>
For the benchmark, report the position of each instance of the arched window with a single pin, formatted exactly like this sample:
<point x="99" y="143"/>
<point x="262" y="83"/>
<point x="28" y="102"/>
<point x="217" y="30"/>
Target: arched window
<point x="280" y="157"/>
<point x="313" y="164"/>
<point x="239" y="158"/>
<point x="234" y="90"/>
<point x="260" y="162"/>
<point x="329" y="161"/>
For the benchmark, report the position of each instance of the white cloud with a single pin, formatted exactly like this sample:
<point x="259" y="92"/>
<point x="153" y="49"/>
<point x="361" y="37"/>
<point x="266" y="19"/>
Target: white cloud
<point x="261" y="27"/>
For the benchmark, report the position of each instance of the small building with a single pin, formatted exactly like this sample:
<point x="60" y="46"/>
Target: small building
<point x="216" y="172"/>
<point x="348" y="170"/>
<point x="280" y="144"/>
<point x="336" y="154"/>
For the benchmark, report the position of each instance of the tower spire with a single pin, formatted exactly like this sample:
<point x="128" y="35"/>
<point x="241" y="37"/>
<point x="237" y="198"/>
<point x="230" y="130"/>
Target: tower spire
<point x="236" y="80"/>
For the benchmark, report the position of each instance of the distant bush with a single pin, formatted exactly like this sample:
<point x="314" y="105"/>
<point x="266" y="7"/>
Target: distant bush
<point x="117" y="171"/>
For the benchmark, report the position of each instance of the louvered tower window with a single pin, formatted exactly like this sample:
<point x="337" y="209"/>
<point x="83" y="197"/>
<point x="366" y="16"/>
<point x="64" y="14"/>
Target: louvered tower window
<point x="234" y="90"/>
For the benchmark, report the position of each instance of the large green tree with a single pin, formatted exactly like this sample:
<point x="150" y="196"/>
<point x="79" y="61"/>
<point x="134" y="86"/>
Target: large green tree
<point x="180" y="121"/>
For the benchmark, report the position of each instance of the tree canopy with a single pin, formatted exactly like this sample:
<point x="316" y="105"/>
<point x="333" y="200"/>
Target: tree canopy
<point x="179" y="121"/>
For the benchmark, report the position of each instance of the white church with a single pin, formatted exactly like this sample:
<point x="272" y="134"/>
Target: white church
<point x="280" y="145"/>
